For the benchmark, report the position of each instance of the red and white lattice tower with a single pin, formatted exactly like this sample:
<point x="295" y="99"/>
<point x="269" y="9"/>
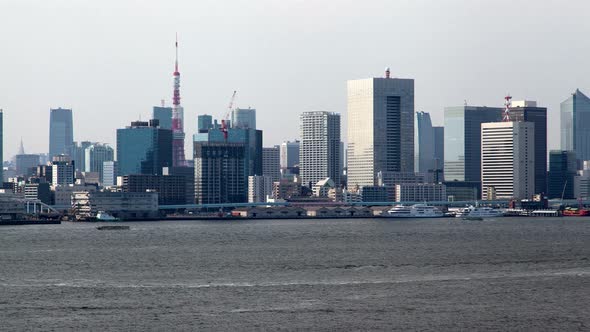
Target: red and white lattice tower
<point x="177" y="119"/>
<point x="507" y="104"/>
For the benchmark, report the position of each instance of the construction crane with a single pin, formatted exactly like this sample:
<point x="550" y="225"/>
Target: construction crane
<point x="225" y="119"/>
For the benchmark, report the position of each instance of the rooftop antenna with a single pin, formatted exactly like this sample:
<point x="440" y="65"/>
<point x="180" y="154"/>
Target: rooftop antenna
<point x="464" y="102"/>
<point x="507" y="104"/>
<point x="387" y="72"/>
<point x="163" y="102"/>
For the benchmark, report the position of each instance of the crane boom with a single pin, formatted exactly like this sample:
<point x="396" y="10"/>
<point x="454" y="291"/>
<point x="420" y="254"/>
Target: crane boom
<point x="225" y="119"/>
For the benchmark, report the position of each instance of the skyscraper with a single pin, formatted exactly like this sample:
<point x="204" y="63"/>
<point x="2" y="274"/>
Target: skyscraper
<point x="562" y="170"/>
<point x="462" y="143"/>
<point x="380" y="128"/>
<point x="289" y="154"/>
<point x="259" y="187"/>
<point x="178" y="158"/>
<point x="204" y="123"/>
<point x="164" y="115"/>
<point x="423" y="143"/>
<point x="243" y="118"/>
<point x="439" y="151"/>
<point x="528" y="111"/>
<point x="1" y="144"/>
<point x="78" y="154"/>
<point x="143" y="148"/>
<point x="61" y="131"/>
<point x="220" y="173"/>
<point x="95" y="156"/>
<point x="62" y="170"/>
<point x="575" y="125"/>
<point x="507" y="160"/>
<point x="319" y="155"/>
<point x="271" y="165"/>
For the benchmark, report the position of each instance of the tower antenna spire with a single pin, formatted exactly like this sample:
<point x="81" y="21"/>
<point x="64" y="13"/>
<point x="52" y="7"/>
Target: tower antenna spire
<point x="177" y="117"/>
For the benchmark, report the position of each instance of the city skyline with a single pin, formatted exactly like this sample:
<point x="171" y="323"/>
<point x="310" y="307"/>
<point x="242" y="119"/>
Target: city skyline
<point x="121" y="83"/>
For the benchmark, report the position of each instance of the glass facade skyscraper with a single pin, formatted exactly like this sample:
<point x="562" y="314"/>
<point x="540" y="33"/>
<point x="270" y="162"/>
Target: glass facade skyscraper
<point x="380" y="128"/>
<point x="61" y="132"/>
<point x="423" y="143"/>
<point x="575" y="125"/>
<point x="143" y="148"/>
<point x="243" y="118"/>
<point x="562" y="170"/>
<point x="164" y="115"/>
<point x="462" y="140"/>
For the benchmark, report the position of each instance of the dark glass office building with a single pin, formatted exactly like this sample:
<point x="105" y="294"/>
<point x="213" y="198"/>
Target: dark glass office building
<point x="562" y="170"/>
<point x="164" y="116"/>
<point x="220" y="173"/>
<point x="462" y="141"/>
<point x="143" y="148"/>
<point x="538" y="116"/>
<point x="61" y="132"/>
<point x="575" y="125"/>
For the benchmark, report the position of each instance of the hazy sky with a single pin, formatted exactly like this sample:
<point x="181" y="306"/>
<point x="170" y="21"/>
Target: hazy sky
<point x="112" y="60"/>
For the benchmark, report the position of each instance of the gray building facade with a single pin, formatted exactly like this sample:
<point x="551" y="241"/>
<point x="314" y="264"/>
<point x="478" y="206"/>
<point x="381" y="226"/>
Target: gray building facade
<point x="319" y="153"/>
<point x="61" y="131"/>
<point x="575" y="125"/>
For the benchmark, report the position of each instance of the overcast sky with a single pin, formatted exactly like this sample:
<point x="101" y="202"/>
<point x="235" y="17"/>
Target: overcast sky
<point x="112" y="60"/>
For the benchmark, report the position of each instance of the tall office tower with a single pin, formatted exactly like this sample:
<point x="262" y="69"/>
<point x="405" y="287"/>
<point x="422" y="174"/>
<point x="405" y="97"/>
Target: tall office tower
<point x="528" y="111"/>
<point x="143" y="148"/>
<point x="582" y="182"/>
<point x="463" y="141"/>
<point x="164" y="115"/>
<point x="507" y="160"/>
<point x="243" y="118"/>
<point x="290" y="154"/>
<point x="1" y="144"/>
<point x="78" y="154"/>
<point x="259" y="187"/>
<point x="380" y="128"/>
<point x="204" y="123"/>
<point x="439" y="151"/>
<point x="61" y="131"/>
<point x="575" y="128"/>
<point x="423" y="143"/>
<point x="562" y="170"/>
<point x="220" y="173"/>
<point x="271" y="163"/>
<point x="250" y="137"/>
<point x="109" y="173"/>
<point x="319" y="155"/>
<point x="178" y="159"/>
<point x="62" y="170"/>
<point x="26" y="164"/>
<point x="95" y="156"/>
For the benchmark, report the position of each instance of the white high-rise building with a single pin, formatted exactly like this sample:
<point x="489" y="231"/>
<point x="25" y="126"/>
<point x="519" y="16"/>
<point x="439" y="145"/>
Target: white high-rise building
<point x="259" y="188"/>
<point x="319" y="153"/>
<point x="507" y="160"/>
<point x="582" y="182"/>
<point x="109" y="173"/>
<point x="380" y="128"/>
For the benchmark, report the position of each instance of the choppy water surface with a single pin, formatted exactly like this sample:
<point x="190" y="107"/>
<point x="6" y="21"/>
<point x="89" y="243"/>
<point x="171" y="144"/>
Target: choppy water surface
<point x="518" y="274"/>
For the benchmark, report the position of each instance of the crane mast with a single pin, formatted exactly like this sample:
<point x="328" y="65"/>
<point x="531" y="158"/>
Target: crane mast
<point x="225" y="119"/>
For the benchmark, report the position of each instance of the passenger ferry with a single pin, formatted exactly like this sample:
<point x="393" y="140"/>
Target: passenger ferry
<point x="413" y="211"/>
<point x="479" y="212"/>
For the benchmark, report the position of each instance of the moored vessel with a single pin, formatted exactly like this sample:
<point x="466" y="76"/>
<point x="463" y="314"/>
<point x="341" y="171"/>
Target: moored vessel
<point x="413" y="211"/>
<point x="479" y="212"/>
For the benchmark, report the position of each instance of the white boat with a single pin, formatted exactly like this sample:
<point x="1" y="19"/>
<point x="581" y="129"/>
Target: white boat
<point x="479" y="212"/>
<point x="413" y="211"/>
<point x="103" y="216"/>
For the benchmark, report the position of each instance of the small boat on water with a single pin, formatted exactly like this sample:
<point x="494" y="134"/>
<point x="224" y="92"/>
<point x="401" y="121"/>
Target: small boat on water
<point x="112" y="227"/>
<point x="479" y="212"/>
<point x="576" y="212"/>
<point x="103" y="216"/>
<point x="413" y="211"/>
